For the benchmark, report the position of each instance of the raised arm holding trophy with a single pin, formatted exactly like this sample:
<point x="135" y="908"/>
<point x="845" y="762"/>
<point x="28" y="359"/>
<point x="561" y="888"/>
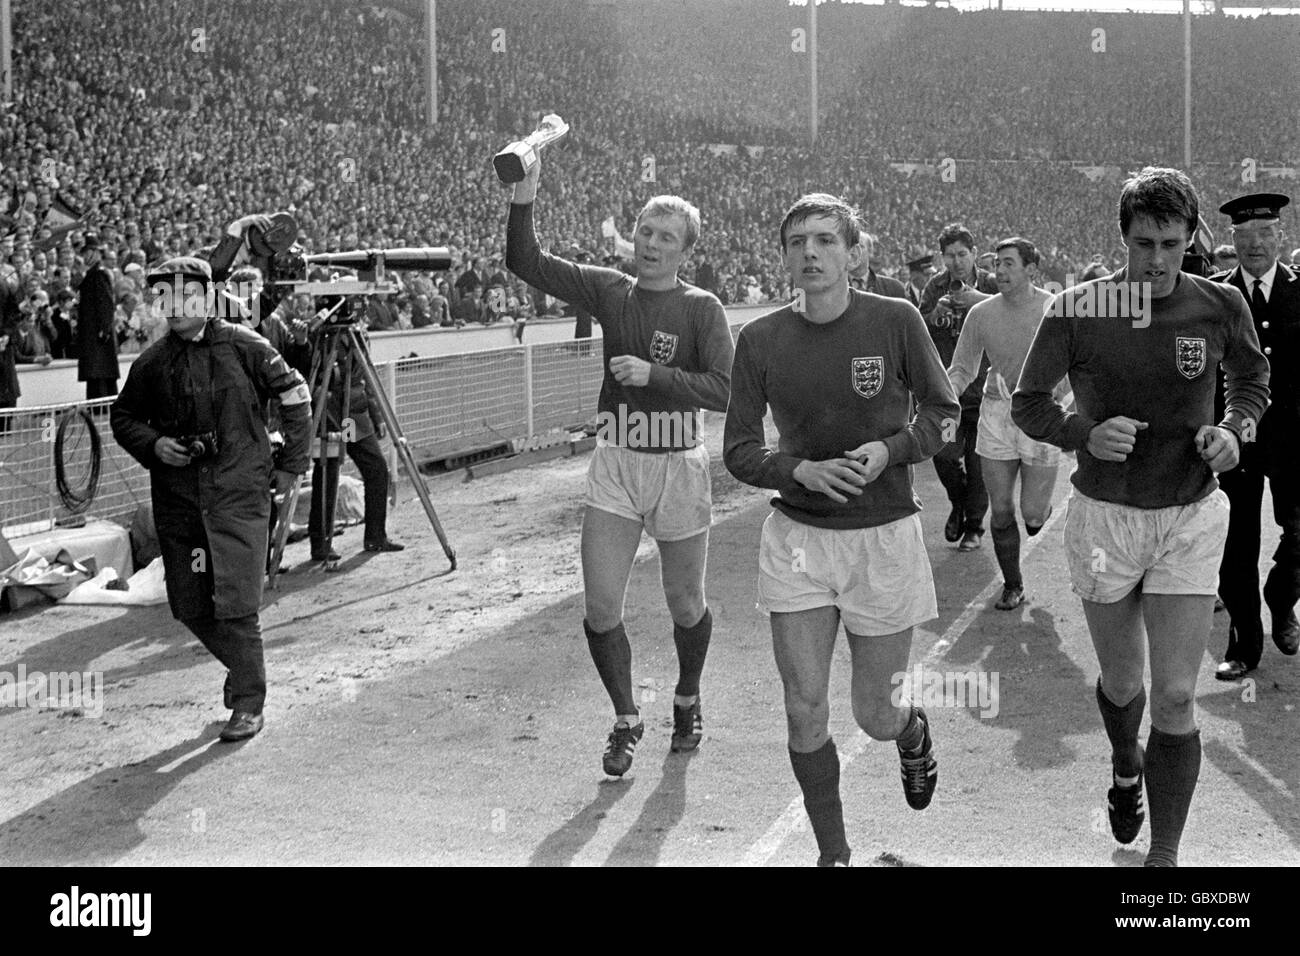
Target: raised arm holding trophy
<point x="667" y="354"/>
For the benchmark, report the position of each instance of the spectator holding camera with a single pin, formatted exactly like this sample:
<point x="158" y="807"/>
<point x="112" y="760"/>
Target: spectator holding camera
<point x="947" y="298"/>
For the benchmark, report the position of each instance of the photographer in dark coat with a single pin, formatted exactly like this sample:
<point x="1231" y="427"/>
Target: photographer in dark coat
<point x="96" y="337"/>
<point x="946" y="299"/>
<point x="193" y="413"/>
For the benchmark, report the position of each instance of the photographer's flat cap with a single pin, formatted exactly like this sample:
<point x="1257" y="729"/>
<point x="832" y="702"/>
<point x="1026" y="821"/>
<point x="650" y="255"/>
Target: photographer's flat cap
<point x="187" y="267"/>
<point x="1255" y="206"/>
<point x="91" y="241"/>
<point x="921" y="263"/>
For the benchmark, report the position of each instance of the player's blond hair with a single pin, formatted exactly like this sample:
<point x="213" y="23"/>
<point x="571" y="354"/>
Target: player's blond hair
<point x="674" y="206"/>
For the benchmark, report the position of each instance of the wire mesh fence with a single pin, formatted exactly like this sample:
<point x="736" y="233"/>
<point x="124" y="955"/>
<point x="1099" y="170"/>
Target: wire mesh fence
<point x="30" y="454"/>
<point x="445" y="404"/>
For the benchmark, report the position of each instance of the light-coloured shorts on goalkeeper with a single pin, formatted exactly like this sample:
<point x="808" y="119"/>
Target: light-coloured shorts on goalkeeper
<point x="1000" y="439"/>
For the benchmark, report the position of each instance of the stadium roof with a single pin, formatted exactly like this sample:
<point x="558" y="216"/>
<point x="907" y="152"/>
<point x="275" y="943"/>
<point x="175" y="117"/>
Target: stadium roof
<point x="1136" y="6"/>
<point x="1252" y="7"/>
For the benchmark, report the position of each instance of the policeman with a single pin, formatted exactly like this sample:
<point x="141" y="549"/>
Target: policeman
<point x="96" y="341"/>
<point x="919" y="271"/>
<point x="1273" y="292"/>
<point x="192" y="413"/>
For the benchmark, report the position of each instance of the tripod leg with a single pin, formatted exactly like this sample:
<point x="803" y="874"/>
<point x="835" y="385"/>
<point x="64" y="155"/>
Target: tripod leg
<point x="282" y="530"/>
<point x="399" y="442"/>
<point x="321" y="503"/>
<point x="413" y="472"/>
<point x="285" y="519"/>
<point x="332" y="474"/>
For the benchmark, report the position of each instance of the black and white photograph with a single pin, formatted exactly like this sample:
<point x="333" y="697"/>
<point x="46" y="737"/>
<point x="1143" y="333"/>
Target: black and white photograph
<point x="650" y="433"/>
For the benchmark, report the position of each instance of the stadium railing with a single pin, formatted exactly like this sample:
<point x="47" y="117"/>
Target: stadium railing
<point x="445" y="404"/>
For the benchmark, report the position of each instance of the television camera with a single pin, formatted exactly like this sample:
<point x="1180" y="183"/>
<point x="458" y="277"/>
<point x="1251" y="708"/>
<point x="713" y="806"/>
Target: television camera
<point x="333" y="331"/>
<point x="358" y="272"/>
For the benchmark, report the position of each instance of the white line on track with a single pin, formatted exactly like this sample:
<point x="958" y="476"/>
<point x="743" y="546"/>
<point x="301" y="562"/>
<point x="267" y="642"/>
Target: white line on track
<point x="793" y="816"/>
<point x="1278" y="785"/>
<point x="189" y="755"/>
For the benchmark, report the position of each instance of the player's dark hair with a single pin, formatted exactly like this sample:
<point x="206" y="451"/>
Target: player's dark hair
<point x="1162" y="194"/>
<point x="1028" y="251"/>
<point x="955" y="232"/>
<point x="848" y="220"/>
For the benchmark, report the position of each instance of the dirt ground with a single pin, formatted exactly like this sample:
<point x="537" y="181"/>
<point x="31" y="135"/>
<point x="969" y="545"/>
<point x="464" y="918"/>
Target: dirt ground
<point x="516" y="540"/>
<point x="420" y="717"/>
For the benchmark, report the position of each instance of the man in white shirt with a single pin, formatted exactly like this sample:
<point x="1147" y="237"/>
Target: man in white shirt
<point x="1003" y="327"/>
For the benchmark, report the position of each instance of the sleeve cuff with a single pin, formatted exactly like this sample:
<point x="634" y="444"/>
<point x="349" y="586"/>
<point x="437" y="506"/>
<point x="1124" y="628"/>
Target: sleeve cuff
<point x="785" y="466"/>
<point x="1077" y="430"/>
<point x="150" y="457"/>
<point x="1234" y="425"/>
<point x="899" y="447"/>
<point x="661" y="377"/>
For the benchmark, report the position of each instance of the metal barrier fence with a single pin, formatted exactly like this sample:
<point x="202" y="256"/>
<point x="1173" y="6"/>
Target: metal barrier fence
<point x="461" y="402"/>
<point x="445" y="404"/>
<point x="28" y="490"/>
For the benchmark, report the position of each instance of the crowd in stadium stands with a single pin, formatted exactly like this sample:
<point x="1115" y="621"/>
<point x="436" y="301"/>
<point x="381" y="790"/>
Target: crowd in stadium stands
<point x="159" y="123"/>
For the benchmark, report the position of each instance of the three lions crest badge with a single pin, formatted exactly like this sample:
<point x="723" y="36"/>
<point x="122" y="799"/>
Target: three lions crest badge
<point x="868" y="375"/>
<point x="663" y="347"/>
<point x="1191" y="356"/>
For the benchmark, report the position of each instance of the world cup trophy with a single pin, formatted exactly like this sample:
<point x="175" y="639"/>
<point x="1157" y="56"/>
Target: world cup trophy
<point x="513" y="163"/>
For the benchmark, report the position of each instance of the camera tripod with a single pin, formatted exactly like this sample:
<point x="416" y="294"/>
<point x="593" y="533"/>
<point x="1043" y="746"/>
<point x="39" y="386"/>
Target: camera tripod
<point x="344" y="338"/>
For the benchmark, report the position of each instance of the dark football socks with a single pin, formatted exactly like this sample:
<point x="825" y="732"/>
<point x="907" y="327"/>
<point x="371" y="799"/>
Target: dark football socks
<point x="912" y="735"/>
<point x="1033" y="529"/>
<point x="1006" y="545"/>
<point x="1173" y="764"/>
<point x="818" y="774"/>
<point x="612" y="655"/>
<point x="692" y="647"/>
<point x="1122" y="725"/>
